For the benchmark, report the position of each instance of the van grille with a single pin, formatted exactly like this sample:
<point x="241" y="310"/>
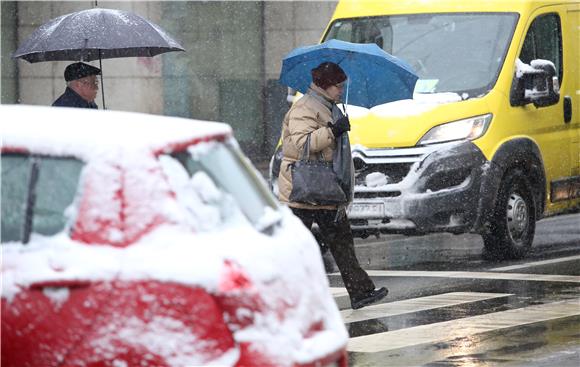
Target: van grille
<point x="394" y="163"/>
<point x="395" y="171"/>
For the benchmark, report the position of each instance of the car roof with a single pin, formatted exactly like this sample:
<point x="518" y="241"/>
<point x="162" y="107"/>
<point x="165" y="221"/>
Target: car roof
<point x="83" y="132"/>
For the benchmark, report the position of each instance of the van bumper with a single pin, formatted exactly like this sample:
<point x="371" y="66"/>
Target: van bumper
<point x="442" y="189"/>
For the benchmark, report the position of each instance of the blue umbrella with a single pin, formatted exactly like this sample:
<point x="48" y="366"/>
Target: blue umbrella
<point x="374" y="76"/>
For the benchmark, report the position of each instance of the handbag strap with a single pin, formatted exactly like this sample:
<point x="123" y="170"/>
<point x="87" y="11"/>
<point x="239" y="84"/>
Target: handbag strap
<point x="306" y="151"/>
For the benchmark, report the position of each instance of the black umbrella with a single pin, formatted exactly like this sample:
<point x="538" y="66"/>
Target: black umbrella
<point x="96" y="34"/>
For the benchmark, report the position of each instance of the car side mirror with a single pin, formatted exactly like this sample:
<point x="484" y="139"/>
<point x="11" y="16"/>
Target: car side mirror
<point x="536" y="83"/>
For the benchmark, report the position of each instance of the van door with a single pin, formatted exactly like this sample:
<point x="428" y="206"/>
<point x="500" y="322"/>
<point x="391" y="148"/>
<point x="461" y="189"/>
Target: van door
<point x="546" y="125"/>
<point x="572" y="46"/>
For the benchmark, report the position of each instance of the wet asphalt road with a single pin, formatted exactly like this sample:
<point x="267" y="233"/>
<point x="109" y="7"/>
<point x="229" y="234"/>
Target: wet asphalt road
<point x="448" y="307"/>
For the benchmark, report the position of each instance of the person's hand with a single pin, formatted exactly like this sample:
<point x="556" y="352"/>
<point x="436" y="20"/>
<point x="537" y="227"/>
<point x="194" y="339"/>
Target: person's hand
<point x="340" y="126"/>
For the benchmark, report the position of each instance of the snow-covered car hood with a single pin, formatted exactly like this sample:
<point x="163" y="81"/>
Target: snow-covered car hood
<point x="276" y="266"/>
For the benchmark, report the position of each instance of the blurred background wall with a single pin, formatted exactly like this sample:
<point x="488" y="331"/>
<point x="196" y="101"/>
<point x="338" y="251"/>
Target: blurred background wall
<point x="228" y="73"/>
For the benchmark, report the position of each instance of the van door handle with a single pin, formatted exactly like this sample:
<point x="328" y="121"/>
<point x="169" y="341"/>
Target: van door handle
<point x="567" y="109"/>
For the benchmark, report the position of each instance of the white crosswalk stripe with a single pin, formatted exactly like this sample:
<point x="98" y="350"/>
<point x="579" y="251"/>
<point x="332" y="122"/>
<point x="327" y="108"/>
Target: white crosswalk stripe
<point x="449" y="330"/>
<point x="537" y="263"/>
<point x="476" y="275"/>
<point x="442" y="328"/>
<point x="338" y="292"/>
<point x="415" y="305"/>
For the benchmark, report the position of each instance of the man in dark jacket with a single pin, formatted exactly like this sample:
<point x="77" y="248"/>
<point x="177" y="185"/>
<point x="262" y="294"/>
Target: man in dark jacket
<point x="82" y="86"/>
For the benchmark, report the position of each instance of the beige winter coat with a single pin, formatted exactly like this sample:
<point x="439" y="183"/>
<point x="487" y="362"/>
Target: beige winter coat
<point x="307" y="115"/>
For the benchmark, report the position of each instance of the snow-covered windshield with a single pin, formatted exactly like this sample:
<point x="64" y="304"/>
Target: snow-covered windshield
<point x="459" y="52"/>
<point x="224" y="167"/>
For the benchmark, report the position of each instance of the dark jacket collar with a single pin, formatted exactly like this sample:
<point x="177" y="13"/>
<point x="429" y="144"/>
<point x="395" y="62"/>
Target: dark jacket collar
<point x="70" y="98"/>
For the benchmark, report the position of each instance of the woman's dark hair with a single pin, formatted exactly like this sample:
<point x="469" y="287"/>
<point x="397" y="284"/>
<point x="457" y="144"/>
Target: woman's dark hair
<point x="327" y="74"/>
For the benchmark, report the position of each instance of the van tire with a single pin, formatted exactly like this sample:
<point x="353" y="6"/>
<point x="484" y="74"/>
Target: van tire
<point x="513" y="223"/>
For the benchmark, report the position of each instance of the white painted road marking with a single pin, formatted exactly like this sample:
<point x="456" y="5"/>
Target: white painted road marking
<point x="338" y="292"/>
<point x="449" y="330"/>
<point x="537" y="263"/>
<point x="475" y="275"/>
<point x="415" y="305"/>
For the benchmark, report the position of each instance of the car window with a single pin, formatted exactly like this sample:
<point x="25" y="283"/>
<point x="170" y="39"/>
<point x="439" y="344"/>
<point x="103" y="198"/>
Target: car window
<point x="15" y="176"/>
<point x="230" y="172"/>
<point x="53" y="191"/>
<point x="56" y="188"/>
<point x="544" y="41"/>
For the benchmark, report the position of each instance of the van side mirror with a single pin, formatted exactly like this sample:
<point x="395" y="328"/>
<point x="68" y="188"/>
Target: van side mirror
<point x="536" y="83"/>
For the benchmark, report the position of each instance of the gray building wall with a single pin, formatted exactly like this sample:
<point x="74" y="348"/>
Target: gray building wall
<point x="8" y="43"/>
<point x="228" y="73"/>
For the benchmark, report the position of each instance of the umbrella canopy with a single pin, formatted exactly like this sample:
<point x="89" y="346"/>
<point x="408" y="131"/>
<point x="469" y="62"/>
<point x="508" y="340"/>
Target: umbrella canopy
<point x="96" y="34"/>
<point x="374" y="76"/>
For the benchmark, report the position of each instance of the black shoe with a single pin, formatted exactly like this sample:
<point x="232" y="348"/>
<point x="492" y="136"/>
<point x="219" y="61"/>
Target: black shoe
<point x="370" y="297"/>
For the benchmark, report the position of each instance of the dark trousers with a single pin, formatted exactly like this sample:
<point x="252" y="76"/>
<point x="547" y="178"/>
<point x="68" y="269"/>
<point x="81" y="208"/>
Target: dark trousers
<point x="338" y="237"/>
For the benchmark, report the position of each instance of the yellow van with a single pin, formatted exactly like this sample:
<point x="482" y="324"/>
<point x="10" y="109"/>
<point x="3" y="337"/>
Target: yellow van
<point x="489" y="143"/>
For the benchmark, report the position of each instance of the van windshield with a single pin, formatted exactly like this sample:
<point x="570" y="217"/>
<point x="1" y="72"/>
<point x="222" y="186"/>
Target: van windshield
<point x="459" y="52"/>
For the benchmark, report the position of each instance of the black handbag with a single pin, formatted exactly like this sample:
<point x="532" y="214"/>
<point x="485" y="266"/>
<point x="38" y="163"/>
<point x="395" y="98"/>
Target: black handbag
<point x="315" y="182"/>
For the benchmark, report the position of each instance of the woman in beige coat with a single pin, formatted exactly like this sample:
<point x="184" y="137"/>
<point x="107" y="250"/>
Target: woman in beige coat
<point x="312" y="114"/>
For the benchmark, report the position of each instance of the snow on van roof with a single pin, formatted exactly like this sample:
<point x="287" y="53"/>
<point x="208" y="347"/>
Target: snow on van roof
<point x="81" y="132"/>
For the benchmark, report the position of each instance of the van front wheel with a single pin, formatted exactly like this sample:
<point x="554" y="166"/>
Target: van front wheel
<point x="513" y="224"/>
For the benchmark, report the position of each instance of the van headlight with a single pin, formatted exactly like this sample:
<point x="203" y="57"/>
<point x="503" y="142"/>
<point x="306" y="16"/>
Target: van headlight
<point x="471" y="128"/>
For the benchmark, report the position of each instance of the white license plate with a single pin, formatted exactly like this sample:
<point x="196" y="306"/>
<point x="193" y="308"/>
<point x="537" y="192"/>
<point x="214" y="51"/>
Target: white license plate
<point x="366" y="210"/>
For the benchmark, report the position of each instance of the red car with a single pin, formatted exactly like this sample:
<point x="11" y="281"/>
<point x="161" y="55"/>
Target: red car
<point x="140" y="240"/>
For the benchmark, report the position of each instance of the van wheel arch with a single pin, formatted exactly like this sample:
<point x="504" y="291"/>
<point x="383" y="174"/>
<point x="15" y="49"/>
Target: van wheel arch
<point x="525" y="155"/>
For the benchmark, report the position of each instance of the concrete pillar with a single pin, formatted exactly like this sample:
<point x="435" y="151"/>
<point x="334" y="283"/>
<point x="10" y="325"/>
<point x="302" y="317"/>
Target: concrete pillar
<point x="9" y="82"/>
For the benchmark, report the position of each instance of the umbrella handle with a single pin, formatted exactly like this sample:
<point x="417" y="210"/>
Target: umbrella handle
<point x="346" y="102"/>
<point x="102" y="83"/>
